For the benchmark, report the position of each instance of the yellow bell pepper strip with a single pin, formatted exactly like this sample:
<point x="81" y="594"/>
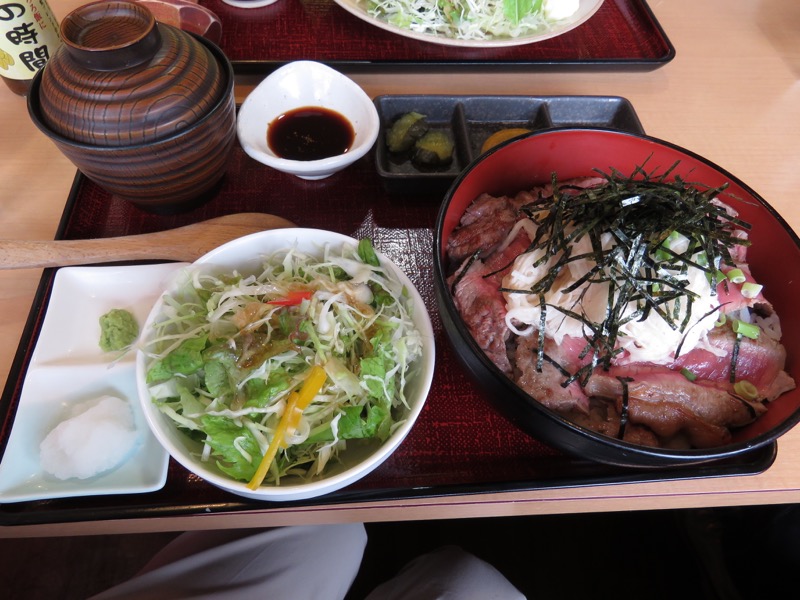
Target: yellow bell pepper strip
<point x="311" y="387"/>
<point x="295" y="405"/>
<point x="272" y="450"/>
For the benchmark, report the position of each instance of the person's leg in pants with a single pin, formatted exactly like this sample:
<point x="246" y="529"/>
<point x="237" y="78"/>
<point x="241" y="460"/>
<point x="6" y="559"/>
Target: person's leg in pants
<point x="448" y="572"/>
<point x="301" y="563"/>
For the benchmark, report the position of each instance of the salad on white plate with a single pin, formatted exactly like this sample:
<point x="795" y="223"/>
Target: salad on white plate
<point x="474" y="19"/>
<point x="273" y="373"/>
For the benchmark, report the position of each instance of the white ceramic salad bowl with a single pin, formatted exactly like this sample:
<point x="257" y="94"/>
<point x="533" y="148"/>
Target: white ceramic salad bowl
<point x="244" y="255"/>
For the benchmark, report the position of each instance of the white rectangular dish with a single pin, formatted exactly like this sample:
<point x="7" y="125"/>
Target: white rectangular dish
<point x="68" y="367"/>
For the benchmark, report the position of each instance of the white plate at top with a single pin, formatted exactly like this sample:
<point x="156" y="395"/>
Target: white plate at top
<point x="586" y="9"/>
<point x="68" y="367"/>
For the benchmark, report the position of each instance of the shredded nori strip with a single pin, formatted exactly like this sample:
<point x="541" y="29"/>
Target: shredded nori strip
<point x="735" y="357"/>
<point x="623" y="412"/>
<point x="640" y="212"/>
<point x="456" y="280"/>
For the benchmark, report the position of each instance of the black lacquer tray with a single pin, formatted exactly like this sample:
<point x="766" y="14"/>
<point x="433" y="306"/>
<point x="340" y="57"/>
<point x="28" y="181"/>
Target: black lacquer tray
<point x="621" y="35"/>
<point x="459" y="444"/>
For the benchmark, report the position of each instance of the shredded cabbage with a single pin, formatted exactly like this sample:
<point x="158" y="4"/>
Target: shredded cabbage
<point x="228" y="349"/>
<point x="473" y="19"/>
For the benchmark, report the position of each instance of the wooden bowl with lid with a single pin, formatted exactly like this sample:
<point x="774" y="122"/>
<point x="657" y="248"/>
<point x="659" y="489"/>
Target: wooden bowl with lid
<point x="144" y="109"/>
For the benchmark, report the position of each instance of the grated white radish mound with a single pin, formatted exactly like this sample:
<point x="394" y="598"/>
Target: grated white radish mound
<point x="99" y="436"/>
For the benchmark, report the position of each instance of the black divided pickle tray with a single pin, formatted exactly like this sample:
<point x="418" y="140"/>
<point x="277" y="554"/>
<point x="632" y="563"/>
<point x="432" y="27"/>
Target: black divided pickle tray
<point x="459" y="444"/>
<point x="471" y="120"/>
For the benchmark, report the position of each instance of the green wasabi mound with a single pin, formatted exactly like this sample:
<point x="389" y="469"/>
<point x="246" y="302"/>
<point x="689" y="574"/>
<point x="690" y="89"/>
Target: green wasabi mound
<point x="118" y="330"/>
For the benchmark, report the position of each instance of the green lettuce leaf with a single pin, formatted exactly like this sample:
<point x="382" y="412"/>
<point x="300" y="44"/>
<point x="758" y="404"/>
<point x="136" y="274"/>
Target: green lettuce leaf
<point x="216" y="378"/>
<point x="374" y="368"/>
<point x="184" y="360"/>
<point x="222" y="433"/>
<point x="354" y="424"/>
<point x="366" y="252"/>
<point x="188" y="404"/>
<point x="516" y="10"/>
<point x="260" y="392"/>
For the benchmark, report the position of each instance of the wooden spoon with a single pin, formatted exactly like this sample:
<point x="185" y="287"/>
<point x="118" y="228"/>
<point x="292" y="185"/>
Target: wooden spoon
<point x="181" y="244"/>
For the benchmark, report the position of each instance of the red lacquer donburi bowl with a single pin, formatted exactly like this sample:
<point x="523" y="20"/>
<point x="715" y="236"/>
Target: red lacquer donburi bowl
<point x="774" y="258"/>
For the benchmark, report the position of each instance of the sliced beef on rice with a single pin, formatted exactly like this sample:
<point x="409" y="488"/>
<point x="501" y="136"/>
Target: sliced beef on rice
<point x="483" y="309"/>
<point x="546" y="386"/>
<point x="670" y="405"/>
<point x="664" y="408"/>
<point x="477" y="296"/>
<point x="571" y="401"/>
<point x="488" y="220"/>
<point x="542" y="193"/>
<point x="761" y="362"/>
<point x="660" y="400"/>
<point x="484" y="226"/>
<point x="604" y="418"/>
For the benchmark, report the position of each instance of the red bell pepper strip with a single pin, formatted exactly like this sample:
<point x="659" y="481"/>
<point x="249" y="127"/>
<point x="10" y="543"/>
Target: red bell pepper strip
<point x="293" y="298"/>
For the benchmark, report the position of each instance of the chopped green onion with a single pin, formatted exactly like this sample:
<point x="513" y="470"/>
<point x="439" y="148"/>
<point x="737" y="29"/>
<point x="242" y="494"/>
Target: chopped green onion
<point x="736" y="276"/>
<point x="674" y="243"/>
<point x="722" y="318"/>
<point x="748" y="330"/>
<point x="717" y="276"/>
<point x="688" y="374"/>
<point x="662" y="255"/>
<point x="750" y="289"/>
<point x="677" y="242"/>
<point x="745" y="389"/>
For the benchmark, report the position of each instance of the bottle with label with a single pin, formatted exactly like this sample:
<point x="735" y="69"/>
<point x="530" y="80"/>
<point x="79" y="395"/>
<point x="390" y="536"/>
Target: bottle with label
<point x="29" y="36"/>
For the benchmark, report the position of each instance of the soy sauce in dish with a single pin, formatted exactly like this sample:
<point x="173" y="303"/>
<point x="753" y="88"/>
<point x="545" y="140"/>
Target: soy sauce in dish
<point x="310" y="133"/>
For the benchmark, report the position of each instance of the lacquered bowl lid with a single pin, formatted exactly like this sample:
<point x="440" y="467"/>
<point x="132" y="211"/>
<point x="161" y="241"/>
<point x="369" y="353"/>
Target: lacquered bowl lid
<point x="122" y="79"/>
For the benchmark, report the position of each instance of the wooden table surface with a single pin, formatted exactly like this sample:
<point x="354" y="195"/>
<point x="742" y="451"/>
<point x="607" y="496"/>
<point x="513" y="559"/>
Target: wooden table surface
<point x="731" y="94"/>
